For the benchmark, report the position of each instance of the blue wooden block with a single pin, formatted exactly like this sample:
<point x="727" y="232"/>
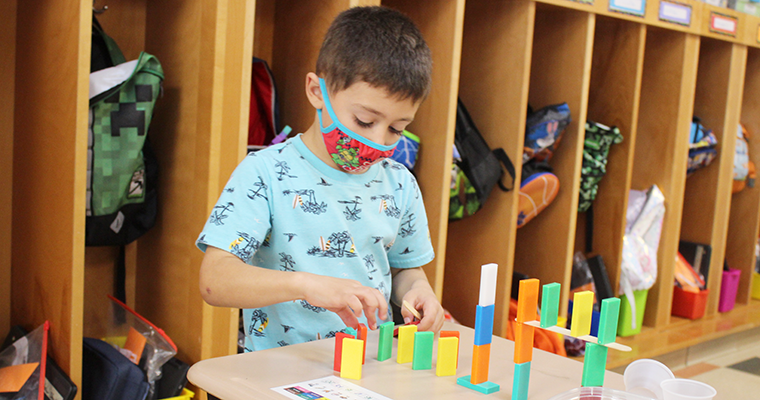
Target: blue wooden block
<point x="521" y="381"/>
<point x="485" y="387"/>
<point x="484" y="325"/>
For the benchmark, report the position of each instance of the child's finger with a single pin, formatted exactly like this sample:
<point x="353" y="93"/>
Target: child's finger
<point x="348" y="318"/>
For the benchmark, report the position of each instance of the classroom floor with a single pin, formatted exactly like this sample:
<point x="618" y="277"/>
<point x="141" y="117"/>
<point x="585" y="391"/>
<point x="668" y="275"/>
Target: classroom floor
<point x="731" y="365"/>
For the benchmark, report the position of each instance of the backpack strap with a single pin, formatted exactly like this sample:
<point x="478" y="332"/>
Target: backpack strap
<point x="502" y="156"/>
<point x="117" y="57"/>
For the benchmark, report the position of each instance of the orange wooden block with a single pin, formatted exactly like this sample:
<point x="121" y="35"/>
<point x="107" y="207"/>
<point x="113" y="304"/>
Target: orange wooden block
<point x="523" y="343"/>
<point x="481" y="356"/>
<point x="362" y="335"/>
<point x="527" y="300"/>
<point x="452" y="334"/>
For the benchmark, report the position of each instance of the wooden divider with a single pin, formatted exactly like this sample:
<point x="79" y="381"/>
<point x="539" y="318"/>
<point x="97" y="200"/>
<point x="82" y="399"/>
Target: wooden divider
<point x="560" y="72"/>
<point x="614" y="96"/>
<point x="7" y="85"/>
<point x="441" y="25"/>
<point x="49" y="173"/>
<point x="708" y="191"/>
<point x="498" y="37"/>
<point x="667" y="100"/>
<point x="745" y="219"/>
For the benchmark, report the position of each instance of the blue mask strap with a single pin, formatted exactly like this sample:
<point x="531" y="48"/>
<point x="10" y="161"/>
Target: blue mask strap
<point x="342" y="127"/>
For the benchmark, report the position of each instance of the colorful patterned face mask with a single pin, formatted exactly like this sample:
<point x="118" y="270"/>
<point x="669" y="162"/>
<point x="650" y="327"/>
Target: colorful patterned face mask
<point x="349" y="150"/>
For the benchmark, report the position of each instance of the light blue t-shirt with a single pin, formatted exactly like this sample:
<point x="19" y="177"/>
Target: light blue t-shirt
<point x="285" y="209"/>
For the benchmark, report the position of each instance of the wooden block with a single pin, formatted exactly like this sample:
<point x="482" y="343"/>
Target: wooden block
<point x="484" y="324"/>
<point x="351" y="359"/>
<point x="423" y="350"/>
<point x="527" y="300"/>
<point x="521" y="381"/>
<point x="339" y="349"/>
<point x="594" y="365"/>
<point x="405" y="351"/>
<point x="523" y="343"/>
<point x="481" y="356"/>
<point x="608" y="320"/>
<point x="583" y="306"/>
<point x="550" y="305"/>
<point x="385" y="342"/>
<point x="487" y="294"/>
<point x="362" y="335"/>
<point x="448" y="356"/>
<point x="455" y="334"/>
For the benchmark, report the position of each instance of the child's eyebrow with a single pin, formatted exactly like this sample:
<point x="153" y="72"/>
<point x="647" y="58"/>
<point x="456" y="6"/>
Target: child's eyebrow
<point x="379" y="114"/>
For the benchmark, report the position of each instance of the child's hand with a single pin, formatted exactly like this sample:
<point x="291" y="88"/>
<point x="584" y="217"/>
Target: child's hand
<point x="424" y="301"/>
<point x="347" y="298"/>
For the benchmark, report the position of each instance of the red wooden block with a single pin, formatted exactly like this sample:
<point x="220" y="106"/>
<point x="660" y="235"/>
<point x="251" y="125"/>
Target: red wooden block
<point x="452" y="334"/>
<point x="339" y="349"/>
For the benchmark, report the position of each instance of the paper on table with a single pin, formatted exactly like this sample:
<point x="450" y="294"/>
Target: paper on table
<point x="329" y="387"/>
<point x="12" y="378"/>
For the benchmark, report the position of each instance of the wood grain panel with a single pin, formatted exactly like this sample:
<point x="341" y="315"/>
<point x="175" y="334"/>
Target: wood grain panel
<point x="124" y="22"/>
<point x="497" y="37"/>
<point x="667" y="101"/>
<point x="50" y="150"/>
<point x="8" y="86"/>
<point x="560" y="72"/>
<point x="708" y="191"/>
<point x="614" y="97"/>
<point x="441" y="25"/>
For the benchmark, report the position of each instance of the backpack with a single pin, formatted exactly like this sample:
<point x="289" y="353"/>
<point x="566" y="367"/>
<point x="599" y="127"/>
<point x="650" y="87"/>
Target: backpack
<point x="543" y="131"/>
<point x="121" y="167"/>
<point x="702" y="144"/>
<point x="744" y="168"/>
<point x="476" y="169"/>
<point x="596" y="149"/>
<point x="107" y="374"/>
<point x="264" y="116"/>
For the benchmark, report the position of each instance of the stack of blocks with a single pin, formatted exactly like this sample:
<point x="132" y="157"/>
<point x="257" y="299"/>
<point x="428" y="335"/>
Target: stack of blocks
<point x="481" y="352"/>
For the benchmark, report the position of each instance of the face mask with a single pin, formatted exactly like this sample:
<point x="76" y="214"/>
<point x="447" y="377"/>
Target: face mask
<point x="349" y="150"/>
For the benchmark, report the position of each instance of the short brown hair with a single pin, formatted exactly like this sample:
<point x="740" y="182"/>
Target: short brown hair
<point x="377" y="45"/>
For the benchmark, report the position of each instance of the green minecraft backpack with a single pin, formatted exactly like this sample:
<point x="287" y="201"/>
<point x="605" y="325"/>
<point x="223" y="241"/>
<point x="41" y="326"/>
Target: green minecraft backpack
<point x="121" y="168"/>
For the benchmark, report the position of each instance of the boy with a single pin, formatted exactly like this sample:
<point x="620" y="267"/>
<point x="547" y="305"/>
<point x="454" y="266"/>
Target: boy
<point x="317" y="233"/>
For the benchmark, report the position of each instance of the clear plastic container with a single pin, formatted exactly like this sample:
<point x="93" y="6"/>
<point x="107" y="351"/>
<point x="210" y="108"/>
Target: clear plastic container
<point x="598" y="393"/>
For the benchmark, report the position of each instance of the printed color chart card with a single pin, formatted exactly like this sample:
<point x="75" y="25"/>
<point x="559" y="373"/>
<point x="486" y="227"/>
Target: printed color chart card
<point x="327" y="388"/>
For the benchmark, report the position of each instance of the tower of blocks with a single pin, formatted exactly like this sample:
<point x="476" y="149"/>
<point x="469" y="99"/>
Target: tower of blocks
<point x="481" y="351"/>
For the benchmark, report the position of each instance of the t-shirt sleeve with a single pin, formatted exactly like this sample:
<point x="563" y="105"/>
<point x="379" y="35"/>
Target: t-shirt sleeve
<point x="241" y="218"/>
<point x="412" y="247"/>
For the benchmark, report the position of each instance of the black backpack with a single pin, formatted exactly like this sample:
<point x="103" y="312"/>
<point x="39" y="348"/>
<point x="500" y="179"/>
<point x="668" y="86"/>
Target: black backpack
<point x="477" y="168"/>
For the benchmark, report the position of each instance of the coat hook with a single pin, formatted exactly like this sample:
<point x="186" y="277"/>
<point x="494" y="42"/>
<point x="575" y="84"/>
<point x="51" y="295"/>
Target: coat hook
<point x="98" y="11"/>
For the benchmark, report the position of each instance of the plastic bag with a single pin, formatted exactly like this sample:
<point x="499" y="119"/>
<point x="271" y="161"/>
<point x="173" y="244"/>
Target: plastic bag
<point x="140" y="341"/>
<point x="29" y="351"/>
<point x="640" y="244"/>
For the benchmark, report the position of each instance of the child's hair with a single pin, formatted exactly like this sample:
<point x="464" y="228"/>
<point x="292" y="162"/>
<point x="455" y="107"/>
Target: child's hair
<point x="379" y="46"/>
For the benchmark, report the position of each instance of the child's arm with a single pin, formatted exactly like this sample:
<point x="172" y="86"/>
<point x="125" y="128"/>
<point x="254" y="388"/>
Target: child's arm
<point x="226" y="281"/>
<point x="412" y="285"/>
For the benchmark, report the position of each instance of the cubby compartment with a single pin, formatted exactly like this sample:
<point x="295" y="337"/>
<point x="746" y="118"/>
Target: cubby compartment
<point x="497" y="37"/>
<point x="614" y="93"/>
<point x="667" y="100"/>
<point x="744" y="220"/>
<point x="560" y="72"/>
<point x="707" y="192"/>
<point x="7" y="85"/>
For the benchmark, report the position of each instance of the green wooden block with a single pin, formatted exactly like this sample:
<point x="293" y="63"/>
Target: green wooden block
<point x="423" y="350"/>
<point x="521" y="381"/>
<point x="594" y="365"/>
<point x="608" y="320"/>
<point x="550" y="305"/>
<point x="485" y="387"/>
<point x="385" y="345"/>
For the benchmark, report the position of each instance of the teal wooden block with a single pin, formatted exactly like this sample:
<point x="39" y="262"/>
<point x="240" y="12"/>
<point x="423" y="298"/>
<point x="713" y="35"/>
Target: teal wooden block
<point x="594" y="365"/>
<point x="351" y="331"/>
<point x="385" y="344"/>
<point x="485" y="387"/>
<point x="608" y="320"/>
<point x="423" y="350"/>
<point x="550" y="305"/>
<point x="521" y="381"/>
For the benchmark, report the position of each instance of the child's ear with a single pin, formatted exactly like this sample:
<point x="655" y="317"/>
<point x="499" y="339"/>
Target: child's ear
<point x="313" y="91"/>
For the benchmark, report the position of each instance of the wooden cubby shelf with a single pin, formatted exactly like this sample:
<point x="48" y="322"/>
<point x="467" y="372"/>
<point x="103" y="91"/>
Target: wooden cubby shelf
<point x="642" y="74"/>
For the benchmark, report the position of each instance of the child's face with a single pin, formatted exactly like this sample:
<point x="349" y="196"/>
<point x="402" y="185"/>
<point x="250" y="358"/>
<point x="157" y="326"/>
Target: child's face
<point x="372" y="112"/>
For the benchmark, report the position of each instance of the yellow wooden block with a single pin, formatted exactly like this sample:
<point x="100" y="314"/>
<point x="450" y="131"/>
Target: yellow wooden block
<point x="406" y="343"/>
<point x="583" y="306"/>
<point x="446" y="364"/>
<point x="351" y="359"/>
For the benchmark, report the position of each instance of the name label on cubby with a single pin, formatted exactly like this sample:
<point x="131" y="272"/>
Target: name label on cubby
<point x="676" y="13"/>
<point x="635" y="7"/>
<point x="724" y="24"/>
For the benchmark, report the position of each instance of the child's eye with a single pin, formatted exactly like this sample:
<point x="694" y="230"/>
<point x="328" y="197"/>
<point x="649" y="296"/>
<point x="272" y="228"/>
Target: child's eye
<point x="395" y="131"/>
<point x="362" y="123"/>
